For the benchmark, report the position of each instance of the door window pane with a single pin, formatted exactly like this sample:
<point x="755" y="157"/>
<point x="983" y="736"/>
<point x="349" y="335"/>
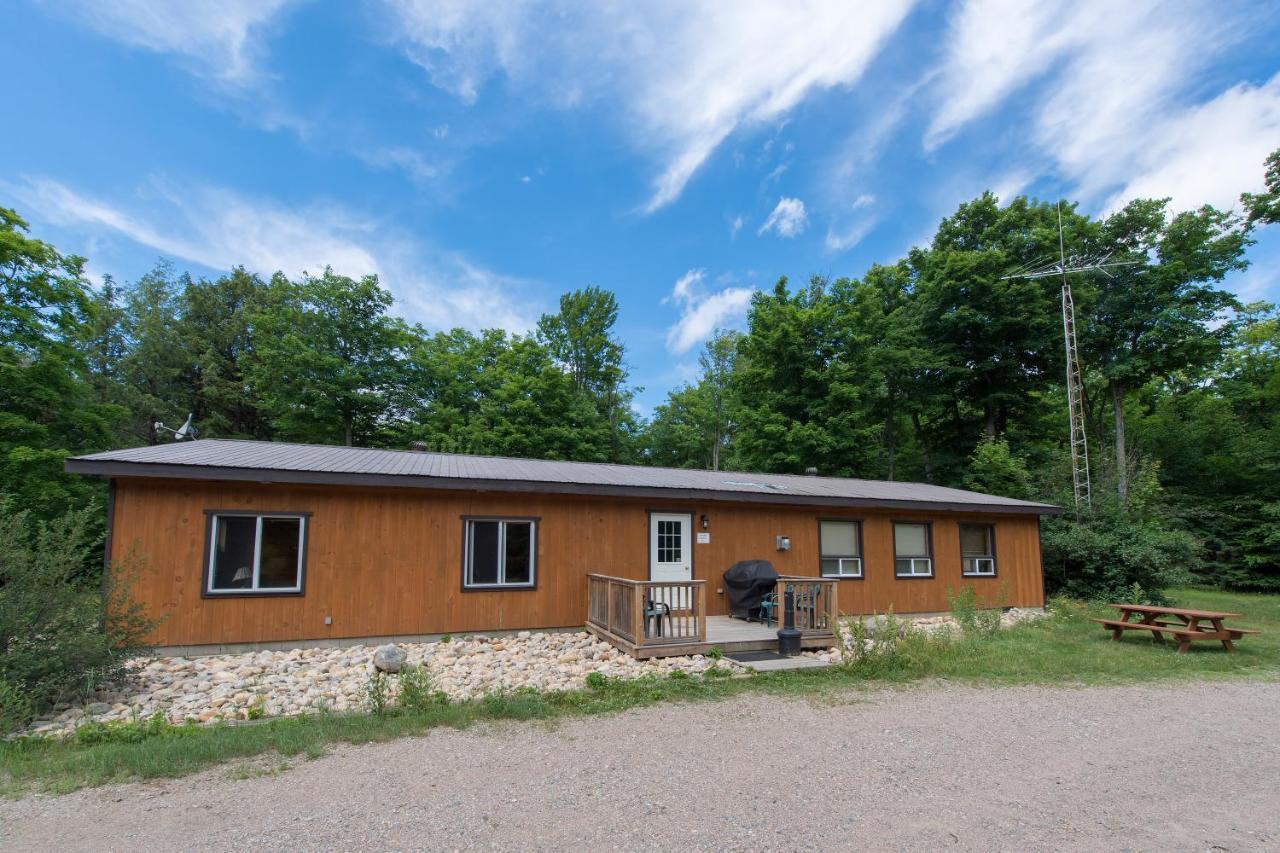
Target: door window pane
<point x="670" y="541"/>
<point x="235" y="538"/>
<point x="278" y="561"/>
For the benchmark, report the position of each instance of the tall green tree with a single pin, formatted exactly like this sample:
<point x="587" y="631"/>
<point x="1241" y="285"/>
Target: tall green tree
<point x="220" y="337"/>
<point x="1167" y="314"/>
<point x="48" y="406"/>
<point x="329" y="359"/>
<point x="801" y="399"/>
<point x="580" y="337"/>
<point x="155" y="382"/>
<point x="695" y="427"/>
<point x="1264" y="207"/>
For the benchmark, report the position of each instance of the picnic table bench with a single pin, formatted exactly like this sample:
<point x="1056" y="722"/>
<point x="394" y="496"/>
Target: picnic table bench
<point x="1180" y="623"/>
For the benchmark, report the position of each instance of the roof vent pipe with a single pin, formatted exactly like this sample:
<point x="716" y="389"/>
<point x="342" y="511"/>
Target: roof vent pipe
<point x="811" y="472"/>
<point x="419" y="446"/>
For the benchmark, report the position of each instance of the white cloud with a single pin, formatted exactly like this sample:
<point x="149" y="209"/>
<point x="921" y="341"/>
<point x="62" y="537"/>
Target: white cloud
<point x="701" y="314"/>
<point x="684" y="75"/>
<point x="850" y="233"/>
<point x="994" y="48"/>
<point x="221" y="38"/>
<point x="788" y="218"/>
<point x="735" y="225"/>
<point x="217" y="229"/>
<point x="1210" y="153"/>
<point x="1119" y="109"/>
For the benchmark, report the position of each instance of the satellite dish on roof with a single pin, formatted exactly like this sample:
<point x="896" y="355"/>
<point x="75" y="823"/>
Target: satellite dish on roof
<point x="187" y="430"/>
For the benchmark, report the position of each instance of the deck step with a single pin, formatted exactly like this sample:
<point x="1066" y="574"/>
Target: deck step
<point x="763" y="662"/>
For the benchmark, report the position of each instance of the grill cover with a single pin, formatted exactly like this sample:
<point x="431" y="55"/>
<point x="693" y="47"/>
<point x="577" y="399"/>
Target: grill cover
<point x="747" y="583"/>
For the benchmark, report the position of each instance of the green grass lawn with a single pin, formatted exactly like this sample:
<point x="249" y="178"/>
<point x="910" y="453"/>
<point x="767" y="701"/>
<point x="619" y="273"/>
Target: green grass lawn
<point x="1063" y="649"/>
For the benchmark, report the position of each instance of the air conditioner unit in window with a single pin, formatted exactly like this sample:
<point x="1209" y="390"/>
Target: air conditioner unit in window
<point x="982" y="566"/>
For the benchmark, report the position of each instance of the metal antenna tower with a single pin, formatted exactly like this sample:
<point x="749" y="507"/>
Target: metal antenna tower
<point x="1063" y="267"/>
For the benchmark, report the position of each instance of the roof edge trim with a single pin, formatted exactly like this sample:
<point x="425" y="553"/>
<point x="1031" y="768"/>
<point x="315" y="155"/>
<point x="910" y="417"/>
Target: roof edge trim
<point x="104" y="468"/>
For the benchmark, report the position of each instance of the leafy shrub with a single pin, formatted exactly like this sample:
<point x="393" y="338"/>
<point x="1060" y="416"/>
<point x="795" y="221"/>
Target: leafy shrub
<point x="678" y="675"/>
<point x="889" y="645"/>
<point x="1119" y="543"/>
<point x="377" y="696"/>
<point x="416" y="693"/>
<point x="132" y="731"/>
<point x="973" y="620"/>
<point x="597" y="680"/>
<point x="60" y="633"/>
<point x="717" y="672"/>
<point x="715" y="653"/>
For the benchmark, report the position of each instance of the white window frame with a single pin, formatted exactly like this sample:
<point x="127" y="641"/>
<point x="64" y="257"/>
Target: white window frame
<point x="915" y="562"/>
<point x="841" y="559"/>
<point x="469" y="553"/>
<point x="970" y="563"/>
<point x="254" y="588"/>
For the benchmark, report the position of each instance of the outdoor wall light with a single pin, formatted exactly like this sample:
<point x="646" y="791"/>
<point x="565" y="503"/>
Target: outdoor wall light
<point x="784" y="543"/>
<point x="704" y="521"/>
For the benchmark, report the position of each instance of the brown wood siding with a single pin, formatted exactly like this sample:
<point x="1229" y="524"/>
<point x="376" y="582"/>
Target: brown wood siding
<point x="389" y="561"/>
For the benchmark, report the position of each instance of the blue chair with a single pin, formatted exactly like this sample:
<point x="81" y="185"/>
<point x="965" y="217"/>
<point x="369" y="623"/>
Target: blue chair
<point x="806" y="601"/>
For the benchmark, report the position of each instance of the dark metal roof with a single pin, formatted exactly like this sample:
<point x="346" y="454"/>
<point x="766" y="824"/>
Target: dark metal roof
<point x="274" y="462"/>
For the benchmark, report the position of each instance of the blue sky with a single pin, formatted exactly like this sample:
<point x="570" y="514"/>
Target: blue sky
<point x="482" y="158"/>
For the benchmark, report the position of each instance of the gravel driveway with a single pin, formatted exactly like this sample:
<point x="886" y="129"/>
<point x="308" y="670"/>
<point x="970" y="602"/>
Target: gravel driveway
<point x="922" y="768"/>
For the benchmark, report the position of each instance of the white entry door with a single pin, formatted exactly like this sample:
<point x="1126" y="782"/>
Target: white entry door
<point x="670" y="554"/>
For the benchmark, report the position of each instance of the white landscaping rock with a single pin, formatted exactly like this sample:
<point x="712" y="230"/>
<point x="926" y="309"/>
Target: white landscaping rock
<point x="306" y="680"/>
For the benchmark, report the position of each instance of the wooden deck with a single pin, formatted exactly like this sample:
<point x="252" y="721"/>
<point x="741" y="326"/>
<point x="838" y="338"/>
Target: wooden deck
<point x="649" y="619"/>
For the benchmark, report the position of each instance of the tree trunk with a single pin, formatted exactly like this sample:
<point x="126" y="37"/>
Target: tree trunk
<point x="890" y="442"/>
<point x="346" y="426"/>
<point x="924" y="447"/>
<point x="991" y="425"/>
<point x="1122" y="456"/>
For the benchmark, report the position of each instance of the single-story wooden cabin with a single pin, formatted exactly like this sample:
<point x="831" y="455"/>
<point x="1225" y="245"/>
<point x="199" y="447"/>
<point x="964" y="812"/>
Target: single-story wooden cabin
<point x="248" y="542"/>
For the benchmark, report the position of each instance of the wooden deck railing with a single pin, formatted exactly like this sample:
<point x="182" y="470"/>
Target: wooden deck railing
<point x="817" y="610"/>
<point x="648" y="613"/>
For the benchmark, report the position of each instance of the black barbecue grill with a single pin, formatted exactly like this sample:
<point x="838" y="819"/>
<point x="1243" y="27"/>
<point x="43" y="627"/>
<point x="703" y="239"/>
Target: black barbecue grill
<point x="747" y="583"/>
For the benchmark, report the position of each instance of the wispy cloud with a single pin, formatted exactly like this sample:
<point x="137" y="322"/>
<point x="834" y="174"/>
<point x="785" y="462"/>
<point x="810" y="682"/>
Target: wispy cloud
<point x="221" y="39"/>
<point x="702" y="313"/>
<point x="1119" y="109"/>
<point x="685" y="75"/>
<point x="788" y="218"/>
<point x="218" y="229"/>
<point x="856" y="225"/>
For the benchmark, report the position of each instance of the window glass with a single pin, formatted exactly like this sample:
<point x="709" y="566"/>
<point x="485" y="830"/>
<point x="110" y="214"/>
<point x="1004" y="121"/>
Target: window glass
<point x="975" y="540"/>
<point x="484" y="552"/>
<point x="839" y="538"/>
<point x="911" y="540"/>
<point x="499" y="553"/>
<point x="235" y="538"/>
<point x="519" y="553"/>
<point x="252" y="553"/>
<point x="278" y="563"/>
<point x="670" y="544"/>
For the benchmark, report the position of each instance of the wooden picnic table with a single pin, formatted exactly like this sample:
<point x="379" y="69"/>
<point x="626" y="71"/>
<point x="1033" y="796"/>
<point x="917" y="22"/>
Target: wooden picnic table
<point x="1186" y="629"/>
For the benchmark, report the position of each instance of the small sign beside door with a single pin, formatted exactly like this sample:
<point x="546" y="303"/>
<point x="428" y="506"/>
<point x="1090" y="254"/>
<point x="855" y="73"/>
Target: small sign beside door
<point x="704" y="538"/>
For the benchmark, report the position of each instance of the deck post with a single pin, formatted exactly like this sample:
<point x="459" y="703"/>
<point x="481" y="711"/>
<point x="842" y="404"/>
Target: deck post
<point x="702" y="612"/>
<point x="637" y="614"/>
<point x="608" y="594"/>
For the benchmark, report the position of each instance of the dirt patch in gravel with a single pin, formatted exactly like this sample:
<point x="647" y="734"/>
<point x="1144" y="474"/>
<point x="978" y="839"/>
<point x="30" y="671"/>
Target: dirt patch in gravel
<point x="954" y="767"/>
